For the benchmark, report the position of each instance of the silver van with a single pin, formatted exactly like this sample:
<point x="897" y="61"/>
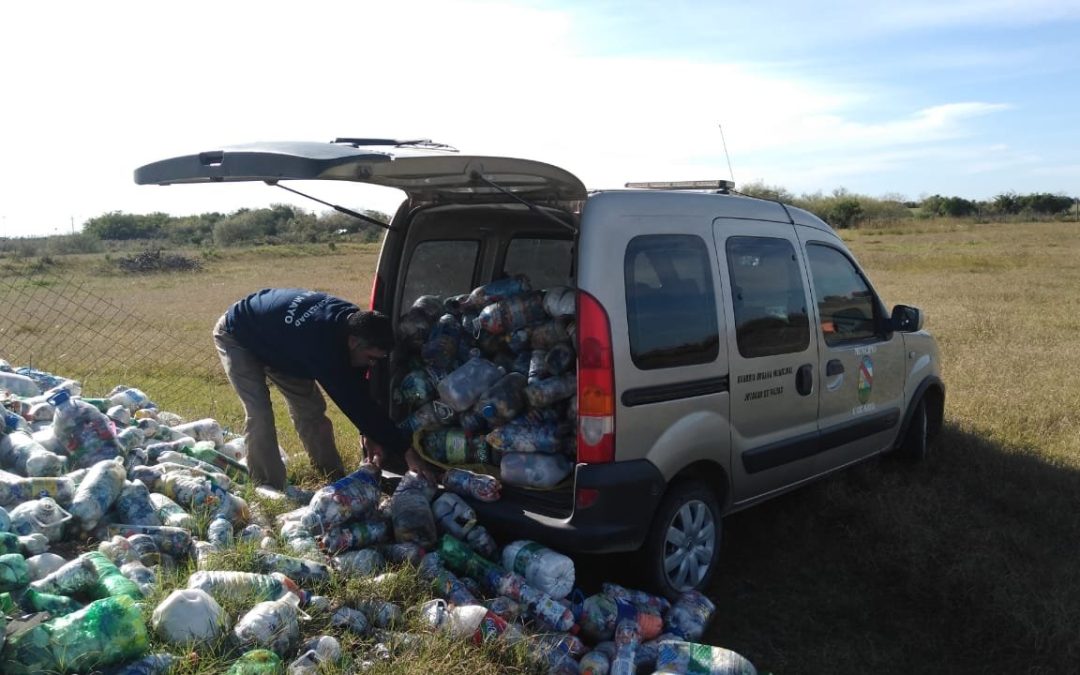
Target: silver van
<point x="729" y="349"/>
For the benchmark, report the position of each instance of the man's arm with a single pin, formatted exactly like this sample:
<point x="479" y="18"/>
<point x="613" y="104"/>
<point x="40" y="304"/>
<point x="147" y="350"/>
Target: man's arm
<point x="350" y="392"/>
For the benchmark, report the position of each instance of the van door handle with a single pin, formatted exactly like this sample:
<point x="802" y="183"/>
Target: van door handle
<point x="834" y="367"/>
<point x="804" y="379"/>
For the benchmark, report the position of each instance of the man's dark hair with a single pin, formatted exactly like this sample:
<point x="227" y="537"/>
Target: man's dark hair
<point x="373" y="328"/>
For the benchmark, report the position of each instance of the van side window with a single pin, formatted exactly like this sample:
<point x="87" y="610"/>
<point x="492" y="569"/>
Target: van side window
<point x="846" y="305"/>
<point x="670" y="304"/>
<point x="767" y="296"/>
<point x="442" y="268"/>
<point x="547" y="262"/>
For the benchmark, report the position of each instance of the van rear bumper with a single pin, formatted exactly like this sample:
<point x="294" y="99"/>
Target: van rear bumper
<point x="627" y="495"/>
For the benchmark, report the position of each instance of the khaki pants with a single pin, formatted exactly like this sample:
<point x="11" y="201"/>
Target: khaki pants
<point x="307" y="408"/>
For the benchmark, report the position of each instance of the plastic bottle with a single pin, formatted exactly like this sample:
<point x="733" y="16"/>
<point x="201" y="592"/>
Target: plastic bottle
<point x="461" y="388"/>
<point x="189" y="615"/>
<point x="107" y="631"/>
<point x="413" y="327"/>
<point x="243" y="586"/>
<point x="203" y="451"/>
<point x="299" y="539"/>
<point x="43" y="564"/>
<point x="445" y="583"/>
<point x="535" y="470"/>
<point x="518" y="341"/>
<point x="511" y="314"/>
<point x="174" y="541"/>
<point x="220" y="533"/>
<point x="456" y="446"/>
<point x="354" y="535"/>
<point x="77" y="576"/>
<point x="626" y="642"/>
<point x="364" y="562"/>
<point x="33" y="544"/>
<point x="504" y="400"/>
<point x="14" y="572"/>
<point x="410" y="511"/>
<point x="20" y="453"/>
<point x="134" y="506"/>
<point x="152" y="664"/>
<point x="206" y="429"/>
<point x="141" y="575"/>
<point x="170" y="513"/>
<point x="188" y="491"/>
<point x="548" y="334"/>
<point x="469" y="484"/>
<point x="110" y="582"/>
<point x="323" y="649"/>
<point x="131" y="398"/>
<point x="19" y="385"/>
<point x="256" y="662"/>
<point x="353" y="497"/>
<point x="299" y="569"/>
<point x="560" y="301"/>
<point x="687" y="657"/>
<point x="414" y="390"/>
<point x="441" y="348"/>
<point x="560" y="359"/>
<point x="84" y="431"/>
<point x="235" y="448"/>
<point x="15" y="490"/>
<point x="526" y="438"/>
<point x="39" y="515"/>
<point x="120" y="415"/>
<point x="481" y="541"/>
<point x="497" y="290"/>
<point x="548" y="391"/>
<point x="401" y="552"/>
<point x="537" y="365"/>
<point x="473" y="423"/>
<point x="595" y="663"/>
<point x="689" y="616"/>
<point x="97" y="492"/>
<point x="453" y="515"/>
<point x="272" y="624"/>
<point x="382" y="614"/>
<point x="548" y="570"/>
<point x="430" y="415"/>
<point x="57" y="605"/>
<point x="131" y="438"/>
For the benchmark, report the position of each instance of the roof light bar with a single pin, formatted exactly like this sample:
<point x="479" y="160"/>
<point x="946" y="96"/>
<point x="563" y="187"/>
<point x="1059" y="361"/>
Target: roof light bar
<point x="684" y="185"/>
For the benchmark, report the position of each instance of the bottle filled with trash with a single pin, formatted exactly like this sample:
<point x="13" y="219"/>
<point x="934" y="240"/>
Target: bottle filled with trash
<point x="469" y="484"/>
<point x="504" y="400"/>
<point x="410" y="511"/>
<point x="456" y="446"/>
<point x="83" y="430"/>
<point x="497" y="290"/>
<point x="461" y="388"/>
<point x="511" y="314"/>
<point x="427" y="417"/>
<point x="534" y="469"/>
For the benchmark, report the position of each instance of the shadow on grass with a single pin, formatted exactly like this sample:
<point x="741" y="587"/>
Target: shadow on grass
<point x="966" y="563"/>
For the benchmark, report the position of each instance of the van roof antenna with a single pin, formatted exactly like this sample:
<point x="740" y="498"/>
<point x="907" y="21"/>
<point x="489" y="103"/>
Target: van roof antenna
<point x="730" y="171"/>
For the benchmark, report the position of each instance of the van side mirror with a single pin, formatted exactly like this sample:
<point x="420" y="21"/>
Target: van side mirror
<point x="906" y="319"/>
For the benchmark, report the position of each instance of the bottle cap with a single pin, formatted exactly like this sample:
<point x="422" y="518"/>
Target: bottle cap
<point x="60" y="397"/>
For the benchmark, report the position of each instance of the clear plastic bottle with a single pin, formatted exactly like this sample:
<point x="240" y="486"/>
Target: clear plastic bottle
<point x="364" y="562"/>
<point x="355" y="496"/>
<point x="14" y="572"/>
<point x="87" y="434"/>
<point x="134" y="507"/>
<point x="461" y="388"/>
<point x="19" y="452"/>
<point x="57" y="605"/>
<point x="72" y="578"/>
<point x="456" y="446"/>
<point x="383" y="614"/>
<point x="526" y="438"/>
<point x="161" y="663"/>
<point x="534" y="469"/>
<point x="689" y="616"/>
<point x="413" y="327"/>
<point x="537" y="365"/>
<point x="440" y="350"/>
<point x="299" y="569"/>
<point x="560" y="359"/>
<point x="504" y="400"/>
<point x="170" y="513"/>
<point x="626" y="643"/>
<point x="352" y="620"/>
<point x="453" y="515"/>
<point x="410" y="511"/>
<point x="272" y="624"/>
<point x="595" y="663"/>
<point x="548" y="334"/>
<point x="469" y="484"/>
<point x="481" y="541"/>
<point x="299" y="539"/>
<point x="430" y="415"/>
<point x="547" y="570"/>
<point x="560" y="301"/>
<point x="244" y="586"/>
<point x="220" y="534"/>
<point x="39" y="515"/>
<point x="256" y="662"/>
<point x="415" y="389"/>
<point x="131" y="398"/>
<point x="19" y="385"/>
<point x="141" y="575"/>
<point x="207" y="429"/>
<point x="497" y="290"/>
<point x="97" y="493"/>
<point x="354" y="535"/>
<point x="549" y="391"/>
<point x="174" y="541"/>
<point x="511" y="314"/>
<point x="43" y="564"/>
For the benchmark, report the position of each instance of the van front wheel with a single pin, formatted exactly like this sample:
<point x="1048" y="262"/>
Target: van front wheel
<point x="683" y="546"/>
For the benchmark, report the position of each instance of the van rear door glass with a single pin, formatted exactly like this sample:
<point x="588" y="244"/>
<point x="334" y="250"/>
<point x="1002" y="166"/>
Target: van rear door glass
<point x="768" y="297"/>
<point x="670" y="304"/>
<point x="440" y="267"/>
<point x="546" y="262"/>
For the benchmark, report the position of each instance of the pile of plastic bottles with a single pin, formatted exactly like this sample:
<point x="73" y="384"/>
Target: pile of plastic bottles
<point x="130" y="494"/>
<point x="489" y="381"/>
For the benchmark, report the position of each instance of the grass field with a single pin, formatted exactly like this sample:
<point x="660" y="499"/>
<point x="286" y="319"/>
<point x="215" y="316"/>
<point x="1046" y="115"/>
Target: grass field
<point x="965" y="564"/>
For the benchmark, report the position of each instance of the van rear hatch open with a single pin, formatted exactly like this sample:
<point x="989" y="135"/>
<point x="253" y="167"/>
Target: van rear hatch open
<point x="427" y="172"/>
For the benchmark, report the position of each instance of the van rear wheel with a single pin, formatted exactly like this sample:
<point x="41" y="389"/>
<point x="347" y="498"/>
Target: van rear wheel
<point x="683" y="547"/>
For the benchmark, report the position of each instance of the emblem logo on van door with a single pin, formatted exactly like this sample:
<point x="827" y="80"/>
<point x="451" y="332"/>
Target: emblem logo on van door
<point x="866" y="378"/>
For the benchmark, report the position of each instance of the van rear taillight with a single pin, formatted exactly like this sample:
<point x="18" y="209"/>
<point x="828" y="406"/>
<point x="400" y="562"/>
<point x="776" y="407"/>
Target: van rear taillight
<point x="376" y="288"/>
<point x="596" y="383"/>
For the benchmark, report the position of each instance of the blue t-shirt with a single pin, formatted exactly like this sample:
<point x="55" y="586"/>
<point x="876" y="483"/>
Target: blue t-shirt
<point x="303" y="333"/>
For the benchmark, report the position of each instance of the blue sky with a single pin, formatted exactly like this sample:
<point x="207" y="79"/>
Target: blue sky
<point x="959" y="98"/>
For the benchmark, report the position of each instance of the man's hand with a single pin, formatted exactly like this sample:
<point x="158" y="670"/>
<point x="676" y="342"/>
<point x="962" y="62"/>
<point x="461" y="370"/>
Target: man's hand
<point x="417" y="464"/>
<point x="373" y="452"/>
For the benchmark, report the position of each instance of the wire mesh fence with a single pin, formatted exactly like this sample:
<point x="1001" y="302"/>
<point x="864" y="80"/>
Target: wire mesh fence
<point x="71" y="329"/>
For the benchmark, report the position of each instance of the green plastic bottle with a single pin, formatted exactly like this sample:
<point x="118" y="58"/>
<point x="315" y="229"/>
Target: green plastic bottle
<point x="110" y="581"/>
<point x="257" y="662"/>
<point x="14" y="572"/>
<point x="105" y="632"/>
<point x="57" y="605"/>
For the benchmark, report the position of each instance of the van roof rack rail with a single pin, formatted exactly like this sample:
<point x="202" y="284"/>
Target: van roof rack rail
<point x="721" y="185"/>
